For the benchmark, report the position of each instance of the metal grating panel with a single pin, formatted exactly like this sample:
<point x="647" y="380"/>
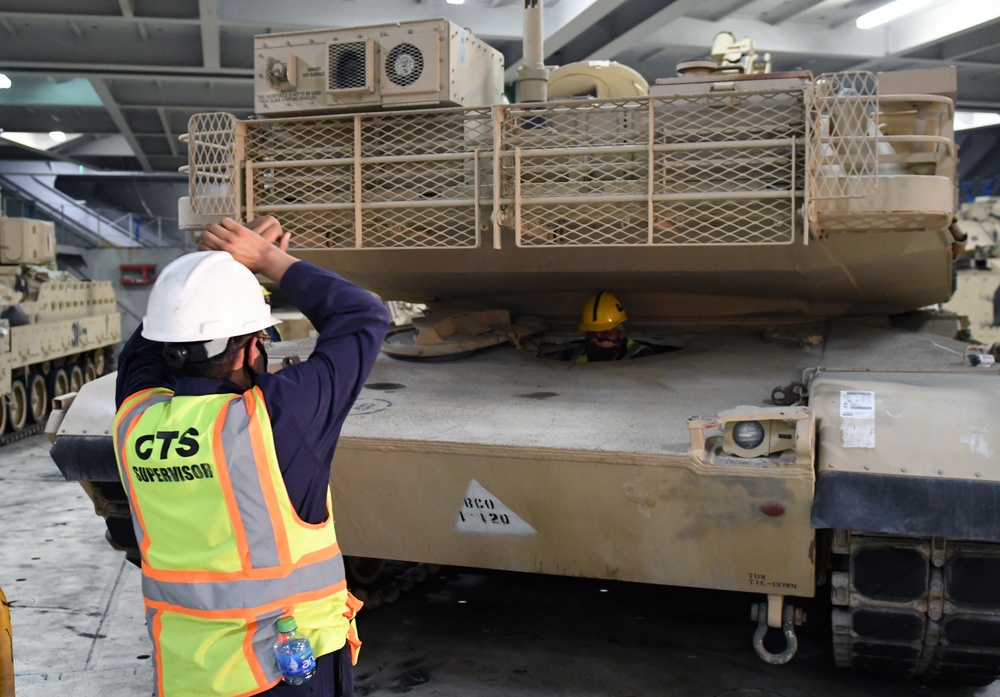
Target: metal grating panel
<point x="681" y="170"/>
<point x="843" y="136"/>
<point x="387" y="180"/>
<point x="349" y="67"/>
<point x="213" y="176"/>
<point x="728" y="167"/>
<point x="722" y="167"/>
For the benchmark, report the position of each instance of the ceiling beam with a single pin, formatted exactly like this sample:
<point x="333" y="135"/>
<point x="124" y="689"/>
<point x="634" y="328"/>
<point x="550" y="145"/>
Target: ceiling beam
<point x="786" y="10"/>
<point x="210" y="50"/>
<point x="113" y="71"/>
<point x="119" y="120"/>
<point x="167" y="131"/>
<point x="37" y="18"/>
<point x="317" y="14"/>
<point x="790" y="37"/>
<point x="128" y="12"/>
<point x="970" y="43"/>
<point x="640" y="31"/>
<point x="937" y="22"/>
<point x="721" y="10"/>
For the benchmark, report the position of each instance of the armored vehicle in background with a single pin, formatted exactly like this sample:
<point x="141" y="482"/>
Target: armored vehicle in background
<point x="813" y="430"/>
<point x="56" y="332"/>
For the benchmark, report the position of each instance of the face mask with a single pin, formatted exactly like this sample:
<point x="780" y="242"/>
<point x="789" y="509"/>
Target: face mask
<point x="597" y="352"/>
<point x="263" y="352"/>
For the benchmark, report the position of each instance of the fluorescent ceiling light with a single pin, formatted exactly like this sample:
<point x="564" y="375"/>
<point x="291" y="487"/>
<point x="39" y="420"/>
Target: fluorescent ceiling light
<point x="5" y="82"/>
<point x="887" y="13"/>
<point x="39" y="141"/>
<point x="455" y="2"/>
<point x="975" y="119"/>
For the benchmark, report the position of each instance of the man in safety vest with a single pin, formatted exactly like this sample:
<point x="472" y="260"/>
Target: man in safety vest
<point x="227" y="466"/>
<point x="603" y="324"/>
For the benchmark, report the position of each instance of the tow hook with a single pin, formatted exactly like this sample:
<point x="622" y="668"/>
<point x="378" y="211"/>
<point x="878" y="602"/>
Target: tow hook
<point x="772" y="614"/>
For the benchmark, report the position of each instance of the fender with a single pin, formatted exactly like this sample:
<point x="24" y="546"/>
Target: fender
<point x="910" y="453"/>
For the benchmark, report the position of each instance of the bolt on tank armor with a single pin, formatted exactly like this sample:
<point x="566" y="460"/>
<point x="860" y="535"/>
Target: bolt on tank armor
<point x="775" y="228"/>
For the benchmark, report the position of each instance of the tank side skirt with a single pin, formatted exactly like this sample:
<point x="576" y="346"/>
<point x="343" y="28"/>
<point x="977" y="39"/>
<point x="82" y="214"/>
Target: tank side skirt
<point x="919" y="506"/>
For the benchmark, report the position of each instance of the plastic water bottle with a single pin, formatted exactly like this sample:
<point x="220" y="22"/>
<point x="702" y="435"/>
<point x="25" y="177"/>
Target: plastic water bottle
<point x="294" y="653"/>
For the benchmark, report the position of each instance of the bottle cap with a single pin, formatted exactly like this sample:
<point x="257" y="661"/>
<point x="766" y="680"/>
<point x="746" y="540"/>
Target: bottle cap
<point x="286" y="624"/>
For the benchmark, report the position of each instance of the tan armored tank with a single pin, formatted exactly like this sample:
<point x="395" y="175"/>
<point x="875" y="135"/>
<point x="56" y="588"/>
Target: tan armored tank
<point x="811" y="432"/>
<point x="56" y="332"/>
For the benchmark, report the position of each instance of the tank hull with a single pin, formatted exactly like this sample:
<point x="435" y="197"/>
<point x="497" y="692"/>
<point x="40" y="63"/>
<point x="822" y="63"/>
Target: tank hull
<point x="590" y="467"/>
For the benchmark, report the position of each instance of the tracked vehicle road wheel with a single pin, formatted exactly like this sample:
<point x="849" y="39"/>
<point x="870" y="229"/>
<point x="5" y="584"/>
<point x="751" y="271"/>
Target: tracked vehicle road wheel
<point x="918" y="608"/>
<point x="3" y="418"/>
<point x="75" y="378"/>
<point x="362" y="571"/>
<point x="58" y="382"/>
<point x="38" y="398"/>
<point x="89" y="371"/>
<point x="17" y="405"/>
<point x="100" y="364"/>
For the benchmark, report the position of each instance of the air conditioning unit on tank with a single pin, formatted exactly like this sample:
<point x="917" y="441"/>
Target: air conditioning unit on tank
<point x="420" y="63"/>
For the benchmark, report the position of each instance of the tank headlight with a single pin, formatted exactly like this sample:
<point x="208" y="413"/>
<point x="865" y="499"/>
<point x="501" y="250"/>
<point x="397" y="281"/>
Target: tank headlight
<point x="757" y="437"/>
<point x="754" y="432"/>
<point x="748" y="434"/>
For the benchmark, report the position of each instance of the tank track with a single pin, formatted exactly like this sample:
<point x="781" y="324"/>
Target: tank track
<point x="917" y="608"/>
<point x="395" y="578"/>
<point x="30" y="430"/>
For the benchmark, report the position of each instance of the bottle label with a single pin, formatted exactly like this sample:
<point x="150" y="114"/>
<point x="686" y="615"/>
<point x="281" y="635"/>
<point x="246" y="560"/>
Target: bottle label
<point x="297" y="664"/>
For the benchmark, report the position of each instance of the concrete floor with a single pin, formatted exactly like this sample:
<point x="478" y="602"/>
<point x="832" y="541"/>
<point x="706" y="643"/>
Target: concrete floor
<point x="79" y="632"/>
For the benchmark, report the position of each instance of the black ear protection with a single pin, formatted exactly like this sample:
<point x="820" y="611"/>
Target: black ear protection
<point x="175" y="355"/>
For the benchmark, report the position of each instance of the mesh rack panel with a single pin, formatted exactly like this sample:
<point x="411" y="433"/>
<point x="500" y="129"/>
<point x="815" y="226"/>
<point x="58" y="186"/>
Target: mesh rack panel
<point x="673" y="170"/>
<point x="843" y="135"/>
<point x="214" y="178"/>
<point x="714" y="168"/>
<point x="386" y="180"/>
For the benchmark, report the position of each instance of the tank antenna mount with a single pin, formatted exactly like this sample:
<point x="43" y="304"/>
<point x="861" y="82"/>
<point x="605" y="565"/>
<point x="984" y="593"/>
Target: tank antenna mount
<point x="533" y="76"/>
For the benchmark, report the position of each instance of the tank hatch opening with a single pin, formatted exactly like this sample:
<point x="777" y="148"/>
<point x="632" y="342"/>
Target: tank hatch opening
<point x="573" y="349"/>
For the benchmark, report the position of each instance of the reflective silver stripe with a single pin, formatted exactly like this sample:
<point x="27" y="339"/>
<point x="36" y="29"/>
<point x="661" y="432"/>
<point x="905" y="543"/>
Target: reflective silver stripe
<point x="225" y="595"/>
<point x="150" y="614"/>
<point x="133" y="415"/>
<point x="247" y="486"/>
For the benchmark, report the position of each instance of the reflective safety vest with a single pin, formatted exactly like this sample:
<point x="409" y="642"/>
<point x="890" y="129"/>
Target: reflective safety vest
<point x="224" y="554"/>
<point x="633" y="349"/>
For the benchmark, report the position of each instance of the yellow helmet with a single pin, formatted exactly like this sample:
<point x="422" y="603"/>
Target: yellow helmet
<point x="602" y="312"/>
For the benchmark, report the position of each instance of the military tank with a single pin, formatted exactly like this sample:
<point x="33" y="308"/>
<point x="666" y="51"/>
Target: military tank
<point x="816" y="428"/>
<point x="56" y="332"/>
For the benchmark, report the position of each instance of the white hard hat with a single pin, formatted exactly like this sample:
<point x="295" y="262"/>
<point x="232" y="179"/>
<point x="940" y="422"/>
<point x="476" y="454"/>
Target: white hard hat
<point x="203" y="296"/>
